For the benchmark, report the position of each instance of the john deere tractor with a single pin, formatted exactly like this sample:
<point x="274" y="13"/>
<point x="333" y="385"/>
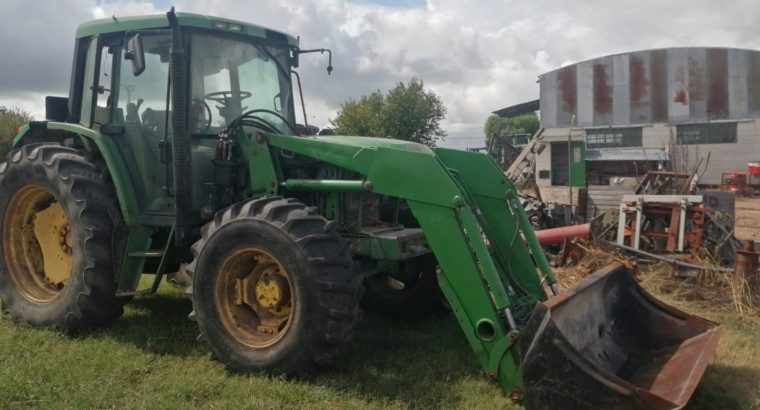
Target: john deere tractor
<point x="178" y="146"/>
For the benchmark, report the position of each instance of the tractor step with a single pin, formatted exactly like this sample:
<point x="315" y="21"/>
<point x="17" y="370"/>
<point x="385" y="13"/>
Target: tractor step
<point x="137" y="293"/>
<point x="146" y="254"/>
<point x="166" y="255"/>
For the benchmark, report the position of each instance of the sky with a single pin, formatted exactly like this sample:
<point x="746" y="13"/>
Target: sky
<point x="477" y="55"/>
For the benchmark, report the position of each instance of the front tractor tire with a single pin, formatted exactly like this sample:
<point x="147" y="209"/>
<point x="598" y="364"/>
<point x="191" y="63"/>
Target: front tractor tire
<point x="57" y="218"/>
<point x="273" y="287"/>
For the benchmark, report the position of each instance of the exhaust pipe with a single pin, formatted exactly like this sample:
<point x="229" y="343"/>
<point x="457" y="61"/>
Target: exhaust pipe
<point x="180" y="148"/>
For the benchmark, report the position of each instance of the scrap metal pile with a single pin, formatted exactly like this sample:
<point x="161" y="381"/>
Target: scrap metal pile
<point x="667" y="216"/>
<point x="664" y="226"/>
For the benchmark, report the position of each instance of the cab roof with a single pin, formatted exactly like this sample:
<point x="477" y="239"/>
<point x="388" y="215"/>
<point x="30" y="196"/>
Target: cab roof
<point x="153" y="21"/>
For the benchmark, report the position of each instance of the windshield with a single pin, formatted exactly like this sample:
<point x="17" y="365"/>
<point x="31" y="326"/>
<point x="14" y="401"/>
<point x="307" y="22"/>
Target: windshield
<point x="230" y="77"/>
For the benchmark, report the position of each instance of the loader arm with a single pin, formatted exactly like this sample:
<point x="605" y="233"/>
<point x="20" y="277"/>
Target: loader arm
<point x="469" y="212"/>
<point x="604" y="344"/>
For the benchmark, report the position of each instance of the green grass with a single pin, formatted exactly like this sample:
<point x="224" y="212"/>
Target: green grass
<point x="732" y="380"/>
<point x="149" y="359"/>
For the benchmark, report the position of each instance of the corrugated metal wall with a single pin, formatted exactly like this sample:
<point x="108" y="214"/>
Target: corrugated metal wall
<point x="675" y="85"/>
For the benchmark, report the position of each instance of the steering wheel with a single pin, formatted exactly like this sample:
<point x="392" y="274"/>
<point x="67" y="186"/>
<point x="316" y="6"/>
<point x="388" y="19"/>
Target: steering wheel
<point x="223" y="97"/>
<point x="199" y="104"/>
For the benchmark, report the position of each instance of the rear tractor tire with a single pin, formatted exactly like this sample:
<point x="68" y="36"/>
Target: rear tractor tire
<point x="57" y="218"/>
<point x="273" y="287"/>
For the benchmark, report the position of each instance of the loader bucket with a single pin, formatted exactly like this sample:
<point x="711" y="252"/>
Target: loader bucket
<point x="608" y="344"/>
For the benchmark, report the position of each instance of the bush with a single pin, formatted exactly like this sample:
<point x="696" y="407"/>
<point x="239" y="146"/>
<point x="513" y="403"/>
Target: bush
<point x="11" y="119"/>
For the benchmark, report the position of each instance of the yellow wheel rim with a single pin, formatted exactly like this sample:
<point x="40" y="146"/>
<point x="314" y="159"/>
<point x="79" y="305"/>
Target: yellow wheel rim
<point x="37" y="242"/>
<point x="254" y="297"/>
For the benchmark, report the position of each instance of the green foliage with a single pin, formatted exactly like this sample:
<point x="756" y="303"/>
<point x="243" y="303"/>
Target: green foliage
<point x="10" y="121"/>
<point x="362" y="117"/>
<point x="408" y="112"/>
<point x="522" y="124"/>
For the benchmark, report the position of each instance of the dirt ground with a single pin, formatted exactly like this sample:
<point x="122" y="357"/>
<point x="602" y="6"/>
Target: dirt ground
<point x="748" y="218"/>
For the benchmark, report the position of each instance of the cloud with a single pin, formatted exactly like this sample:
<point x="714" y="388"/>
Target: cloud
<point x="479" y="55"/>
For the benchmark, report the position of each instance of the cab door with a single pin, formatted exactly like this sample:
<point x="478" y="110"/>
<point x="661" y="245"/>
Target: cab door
<point x="140" y="104"/>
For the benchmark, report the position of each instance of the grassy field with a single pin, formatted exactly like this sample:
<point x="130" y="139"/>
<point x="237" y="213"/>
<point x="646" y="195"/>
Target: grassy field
<point x="149" y="359"/>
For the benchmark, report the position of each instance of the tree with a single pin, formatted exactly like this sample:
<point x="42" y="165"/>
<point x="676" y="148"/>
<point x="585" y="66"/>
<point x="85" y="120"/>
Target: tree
<point x="10" y="121"/>
<point x="521" y="124"/>
<point x="408" y="112"/>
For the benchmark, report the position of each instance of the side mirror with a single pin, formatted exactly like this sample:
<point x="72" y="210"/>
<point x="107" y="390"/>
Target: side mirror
<point x="135" y="54"/>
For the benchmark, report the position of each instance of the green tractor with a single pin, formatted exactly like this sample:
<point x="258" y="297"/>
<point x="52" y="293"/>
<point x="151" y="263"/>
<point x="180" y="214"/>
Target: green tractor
<point x="177" y="146"/>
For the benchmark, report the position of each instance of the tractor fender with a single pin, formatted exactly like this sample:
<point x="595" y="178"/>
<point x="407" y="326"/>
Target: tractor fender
<point x="50" y="131"/>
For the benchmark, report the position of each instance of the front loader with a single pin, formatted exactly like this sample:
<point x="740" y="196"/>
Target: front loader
<point x="177" y="149"/>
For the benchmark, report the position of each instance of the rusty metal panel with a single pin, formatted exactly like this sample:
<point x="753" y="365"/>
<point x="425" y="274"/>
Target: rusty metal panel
<point x="548" y="96"/>
<point x="753" y="84"/>
<point x="676" y="85"/>
<point x="659" y="85"/>
<point x="678" y="78"/>
<point x="602" y="72"/>
<point x="585" y="74"/>
<point x="640" y="90"/>
<point x="621" y="91"/>
<point x="717" y="80"/>
<point x="737" y="83"/>
<point x="567" y="95"/>
<point x="698" y="85"/>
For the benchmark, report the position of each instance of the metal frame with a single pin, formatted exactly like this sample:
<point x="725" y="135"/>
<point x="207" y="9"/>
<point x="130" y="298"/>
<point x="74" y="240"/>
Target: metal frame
<point x="636" y="203"/>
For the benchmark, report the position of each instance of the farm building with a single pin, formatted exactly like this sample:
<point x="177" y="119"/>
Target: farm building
<point x="625" y="114"/>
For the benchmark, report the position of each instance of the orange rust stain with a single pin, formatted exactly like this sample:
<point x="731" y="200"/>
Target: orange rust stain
<point x="639" y="81"/>
<point x="602" y="90"/>
<point x="568" y="88"/>
<point x="696" y="81"/>
<point x="681" y="97"/>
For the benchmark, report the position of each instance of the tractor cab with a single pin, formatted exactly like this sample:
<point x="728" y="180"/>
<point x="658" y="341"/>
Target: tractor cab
<point x="122" y="87"/>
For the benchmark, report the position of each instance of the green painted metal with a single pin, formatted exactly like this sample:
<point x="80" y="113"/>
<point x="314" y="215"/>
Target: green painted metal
<point x="577" y="161"/>
<point x="335" y="185"/>
<point x="166" y="259"/>
<point x="24" y="129"/>
<point x="131" y="23"/>
<point x="263" y="167"/>
<point x="139" y="234"/>
<point x="463" y="204"/>
<point x="486" y="265"/>
<point x="389" y="244"/>
<point x="535" y="248"/>
<point x="491" y="191"/>
<point x="399" y="168"/>
<point x="465" y="289"/>
<point x="139" y="239"/>
<point x="332" y="206"/>
<point x="120" y="175"/>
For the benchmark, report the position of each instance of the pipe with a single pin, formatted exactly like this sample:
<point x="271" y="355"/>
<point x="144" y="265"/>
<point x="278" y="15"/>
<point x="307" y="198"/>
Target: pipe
<point x="334" y="185"/>
<point x="669" y="260"/>
<point x="746" y="260"/>
<point x="557" y="236"/>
